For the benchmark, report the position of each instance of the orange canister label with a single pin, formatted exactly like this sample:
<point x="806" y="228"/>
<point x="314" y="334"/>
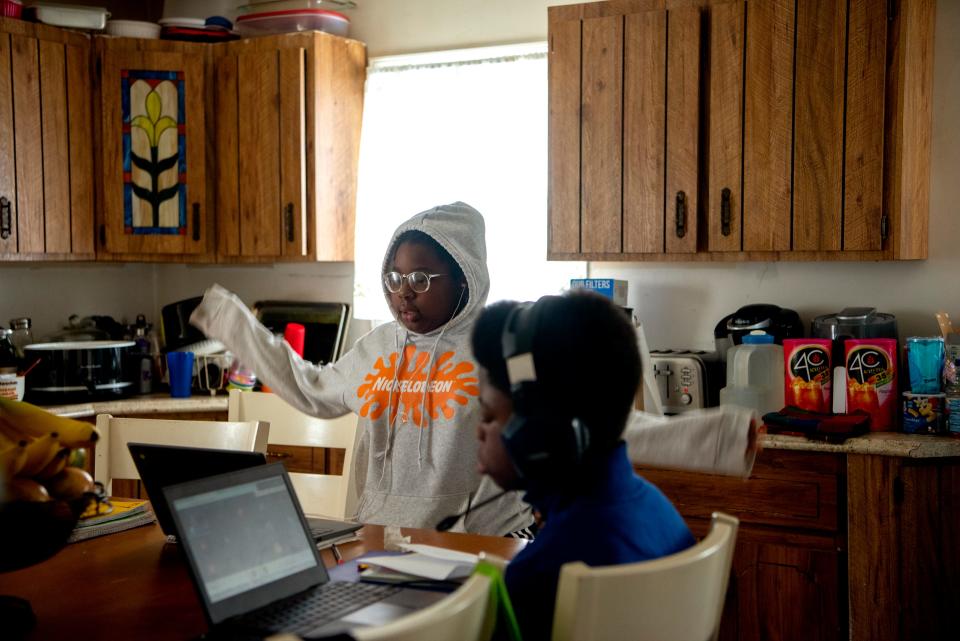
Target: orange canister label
<point x="807" y="381"/>
<point x="872" y="380"/>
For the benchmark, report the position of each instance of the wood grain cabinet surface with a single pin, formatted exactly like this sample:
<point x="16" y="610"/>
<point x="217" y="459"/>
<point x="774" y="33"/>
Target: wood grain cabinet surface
<point x="152" y="117"/>
<point x="288" y="114"/>
<point x="833" y="546"/>
<point x="734" y="130"/>
<point x="123" y="149"/>
<point x="46" y="150"/>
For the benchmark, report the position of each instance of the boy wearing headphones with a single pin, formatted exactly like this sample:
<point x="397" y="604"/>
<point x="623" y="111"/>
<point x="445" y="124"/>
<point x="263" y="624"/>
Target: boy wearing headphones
<point x="557" y="385"/>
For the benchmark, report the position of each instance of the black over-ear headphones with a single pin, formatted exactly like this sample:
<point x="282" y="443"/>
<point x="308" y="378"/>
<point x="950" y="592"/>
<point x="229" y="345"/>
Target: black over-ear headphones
<point x="542" y="441"/>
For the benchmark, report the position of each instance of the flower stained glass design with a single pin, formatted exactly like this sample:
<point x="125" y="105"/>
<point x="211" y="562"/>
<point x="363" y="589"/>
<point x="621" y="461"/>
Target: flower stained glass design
<point x="154" y="152"/>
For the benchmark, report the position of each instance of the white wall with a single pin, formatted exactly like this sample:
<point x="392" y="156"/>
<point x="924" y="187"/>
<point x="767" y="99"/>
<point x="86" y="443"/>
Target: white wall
<point x="678" y="302"/>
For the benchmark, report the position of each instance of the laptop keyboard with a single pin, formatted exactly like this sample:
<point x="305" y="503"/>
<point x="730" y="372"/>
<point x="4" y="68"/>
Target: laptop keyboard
<point x="321" y="532"/>
<point x="320" y="605"/>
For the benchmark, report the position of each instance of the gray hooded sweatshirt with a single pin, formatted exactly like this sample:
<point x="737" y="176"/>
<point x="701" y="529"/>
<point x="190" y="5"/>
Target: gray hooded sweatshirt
<point x="416" y="395"/>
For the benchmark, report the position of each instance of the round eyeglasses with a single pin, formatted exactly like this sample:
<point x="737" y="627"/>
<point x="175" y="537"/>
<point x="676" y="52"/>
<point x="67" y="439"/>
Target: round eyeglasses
<point x="418" y="282"/>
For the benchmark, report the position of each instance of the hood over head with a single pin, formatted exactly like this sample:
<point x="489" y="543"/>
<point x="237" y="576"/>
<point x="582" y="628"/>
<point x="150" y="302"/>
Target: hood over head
<point x="459" y="229"/>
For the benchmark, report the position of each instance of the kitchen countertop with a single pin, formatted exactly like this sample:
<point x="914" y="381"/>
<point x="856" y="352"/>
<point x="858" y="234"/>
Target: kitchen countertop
<point x="153" y="403"/>
<point x="876" y="443"/>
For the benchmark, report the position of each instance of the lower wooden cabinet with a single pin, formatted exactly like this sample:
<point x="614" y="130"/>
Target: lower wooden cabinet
<point x="788" y="579"/>
<point x="307" y="460"/>
<point x="834" y="545"/>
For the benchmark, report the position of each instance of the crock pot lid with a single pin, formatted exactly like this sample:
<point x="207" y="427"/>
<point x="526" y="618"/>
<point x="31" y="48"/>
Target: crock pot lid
<point x="79" y="345"/>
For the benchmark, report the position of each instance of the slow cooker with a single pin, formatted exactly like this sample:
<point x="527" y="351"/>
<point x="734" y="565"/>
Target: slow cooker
<point x="77" y="371"/>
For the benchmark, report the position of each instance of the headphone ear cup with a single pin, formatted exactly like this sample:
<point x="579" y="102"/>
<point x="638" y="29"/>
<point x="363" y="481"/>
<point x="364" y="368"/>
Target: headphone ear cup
<point x="542" y="449"/>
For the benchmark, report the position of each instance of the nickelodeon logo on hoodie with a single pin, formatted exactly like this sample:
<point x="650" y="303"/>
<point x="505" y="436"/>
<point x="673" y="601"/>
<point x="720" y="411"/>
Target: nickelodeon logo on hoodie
<point x="418" y="389"/>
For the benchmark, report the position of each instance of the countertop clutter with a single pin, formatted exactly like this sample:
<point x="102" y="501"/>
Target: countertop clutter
<point x="876" y="443"/>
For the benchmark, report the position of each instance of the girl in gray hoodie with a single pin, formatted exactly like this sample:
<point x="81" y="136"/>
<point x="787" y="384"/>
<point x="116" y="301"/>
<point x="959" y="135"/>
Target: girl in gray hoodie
<point x="413" y="382"/>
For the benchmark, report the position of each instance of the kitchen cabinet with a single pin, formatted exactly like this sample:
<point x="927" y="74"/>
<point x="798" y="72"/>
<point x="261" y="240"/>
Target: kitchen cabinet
<point x="289" y="109"/>
<point x="785" y="582"/>
<point x="46" y="150"/>
<point x="151" y="115"/>
<point x="836" y="541"/>
<point x="732" y="130"/>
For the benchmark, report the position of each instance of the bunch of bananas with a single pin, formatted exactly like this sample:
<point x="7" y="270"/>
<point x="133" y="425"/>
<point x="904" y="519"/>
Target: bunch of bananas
<point x="35" y="452"/>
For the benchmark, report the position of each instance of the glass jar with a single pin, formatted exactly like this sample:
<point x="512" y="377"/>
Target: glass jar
<point x="21" y="336"/>
<point x="8" y="354"/>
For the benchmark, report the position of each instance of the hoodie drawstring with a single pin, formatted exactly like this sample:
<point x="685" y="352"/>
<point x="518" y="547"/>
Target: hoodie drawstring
<point x="428" y="420"/>
<point x="392" y="420"/>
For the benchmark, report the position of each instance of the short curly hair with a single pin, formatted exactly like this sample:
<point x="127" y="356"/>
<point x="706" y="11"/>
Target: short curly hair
<point x="585" y="354"/>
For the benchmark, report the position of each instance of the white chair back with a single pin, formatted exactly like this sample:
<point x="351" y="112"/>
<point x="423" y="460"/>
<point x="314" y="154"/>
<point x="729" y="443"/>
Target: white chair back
<point x="113" y="460"/>
<point x="458" y="616"/>
<point x="675" y="598"/>
<point x="320" y="494"/>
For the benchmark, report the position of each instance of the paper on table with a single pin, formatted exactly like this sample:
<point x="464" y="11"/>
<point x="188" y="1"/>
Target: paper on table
<point x="428" y="562"/>
<point x="441" y="553"/>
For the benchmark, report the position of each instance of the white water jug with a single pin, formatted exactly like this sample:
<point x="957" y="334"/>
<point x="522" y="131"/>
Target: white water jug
<point x="755" y="374"/>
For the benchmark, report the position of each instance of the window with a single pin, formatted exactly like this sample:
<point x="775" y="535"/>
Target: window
<point x="469" y="125"/>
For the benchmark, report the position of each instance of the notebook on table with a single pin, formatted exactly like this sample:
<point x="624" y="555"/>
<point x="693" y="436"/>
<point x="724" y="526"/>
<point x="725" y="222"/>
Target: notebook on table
<point x="162" y="465"/>
<point x="255" y="567"/>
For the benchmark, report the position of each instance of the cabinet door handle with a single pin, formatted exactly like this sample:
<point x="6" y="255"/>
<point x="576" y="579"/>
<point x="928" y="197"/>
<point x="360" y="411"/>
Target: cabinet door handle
<point x="681" y="214"/>
<point x="279" y="454"/>
<point x="725" y="211"/>
<point x="288" y="221"/>
<point x="6" y="218"/>
<point x="196" y="221"/>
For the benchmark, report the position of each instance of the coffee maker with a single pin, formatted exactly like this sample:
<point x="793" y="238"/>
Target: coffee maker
<point x="778" y="321"/>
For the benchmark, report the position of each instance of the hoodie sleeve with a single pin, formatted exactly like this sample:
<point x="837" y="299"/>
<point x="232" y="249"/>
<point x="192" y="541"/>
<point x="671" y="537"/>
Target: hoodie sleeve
<point x="714" y="441"/>
<point x="313" y="390"/>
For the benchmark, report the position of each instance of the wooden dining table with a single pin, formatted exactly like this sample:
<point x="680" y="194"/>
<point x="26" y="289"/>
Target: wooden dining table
<point x="135" y="585"/>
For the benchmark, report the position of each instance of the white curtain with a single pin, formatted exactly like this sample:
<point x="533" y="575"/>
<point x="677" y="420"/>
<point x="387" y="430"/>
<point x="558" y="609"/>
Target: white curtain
<point x="471" y="126"/>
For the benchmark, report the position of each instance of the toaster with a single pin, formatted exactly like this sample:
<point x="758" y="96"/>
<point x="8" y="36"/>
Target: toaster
<point x="687" y="379"/>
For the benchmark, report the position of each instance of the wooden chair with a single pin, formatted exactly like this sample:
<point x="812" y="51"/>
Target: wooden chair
<point x="460" y="615"/>
<point x="332" y="495"/>
<point x="113" y="460"/>
<point x="675" y="598"/>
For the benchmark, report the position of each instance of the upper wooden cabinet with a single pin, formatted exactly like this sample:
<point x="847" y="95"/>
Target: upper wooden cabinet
<point x="46" y="153"/>
<point x="732" y="130"/>
<point x="288" y="114"/>
<point x="238" y="152"/>
<point x="154" y="198"/>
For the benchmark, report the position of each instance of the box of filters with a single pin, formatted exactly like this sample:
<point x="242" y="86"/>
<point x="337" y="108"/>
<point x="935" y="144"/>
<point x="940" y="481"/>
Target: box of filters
<point x="615" y="290"/>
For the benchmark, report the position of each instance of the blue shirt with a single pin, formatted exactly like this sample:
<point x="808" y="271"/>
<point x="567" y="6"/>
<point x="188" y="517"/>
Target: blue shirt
<point x="615" y="517"/>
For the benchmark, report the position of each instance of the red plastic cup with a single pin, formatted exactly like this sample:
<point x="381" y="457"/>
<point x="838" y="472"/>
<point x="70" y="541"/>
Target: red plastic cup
<point x="294" y="334"/>
<point x="11" y="8"/>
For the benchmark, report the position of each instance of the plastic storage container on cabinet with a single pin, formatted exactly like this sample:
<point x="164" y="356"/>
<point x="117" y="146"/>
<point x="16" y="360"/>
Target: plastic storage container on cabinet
<point x="271" y="22"/>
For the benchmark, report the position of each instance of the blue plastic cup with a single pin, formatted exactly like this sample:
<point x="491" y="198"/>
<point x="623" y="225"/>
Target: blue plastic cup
<point x="925" y="363"/>
<point x="180" y="371"/>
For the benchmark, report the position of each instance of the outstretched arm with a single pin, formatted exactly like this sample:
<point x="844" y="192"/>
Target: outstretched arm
<point x="722" y="440"/>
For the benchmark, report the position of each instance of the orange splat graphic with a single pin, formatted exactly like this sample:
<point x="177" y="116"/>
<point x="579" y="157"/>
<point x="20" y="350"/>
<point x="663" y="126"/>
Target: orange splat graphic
<point x="450" y="386"/>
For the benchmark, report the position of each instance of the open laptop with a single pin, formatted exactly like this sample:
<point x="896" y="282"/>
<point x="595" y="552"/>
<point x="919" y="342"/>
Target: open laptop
<point x="162" y="465"/>
<point x="255" y="567"/>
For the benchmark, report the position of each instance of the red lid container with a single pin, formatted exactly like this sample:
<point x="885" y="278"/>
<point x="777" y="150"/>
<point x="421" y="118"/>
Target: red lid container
<point x="11" y="8"/>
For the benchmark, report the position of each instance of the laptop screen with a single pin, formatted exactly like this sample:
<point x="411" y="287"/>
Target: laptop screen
<point x="162" y="465"/>
<point x="245" y="538"/>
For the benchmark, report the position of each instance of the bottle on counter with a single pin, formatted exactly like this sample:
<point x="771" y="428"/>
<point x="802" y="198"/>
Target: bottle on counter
<point x="8" y="365"/>
<point x="22" y="334"/>
<point x="142" y="347"/>
<point x="241" y="377"/>
<point x="951" y="387"/>
<point x="755" y="374"/>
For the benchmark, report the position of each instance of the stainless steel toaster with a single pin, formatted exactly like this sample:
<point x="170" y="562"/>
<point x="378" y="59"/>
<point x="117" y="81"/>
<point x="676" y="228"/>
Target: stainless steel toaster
<point x="687" y="379"/>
